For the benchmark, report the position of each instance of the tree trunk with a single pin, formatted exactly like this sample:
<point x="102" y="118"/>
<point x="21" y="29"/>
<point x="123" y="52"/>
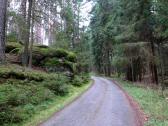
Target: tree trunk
<point x="22" y="26"/>
<point x="161" y="66"/>
<point x="32" y="35"/>
<point x="3" y="7"/>
<point x="26" y="42"/>
<point x="153" y="65"/>
<point x="132" y="69"/>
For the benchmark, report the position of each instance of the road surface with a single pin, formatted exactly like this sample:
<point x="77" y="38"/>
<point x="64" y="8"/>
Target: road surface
<point x="104" y="104"/>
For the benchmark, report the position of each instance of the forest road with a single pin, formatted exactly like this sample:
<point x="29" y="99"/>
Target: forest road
<point x="104" y="104"/>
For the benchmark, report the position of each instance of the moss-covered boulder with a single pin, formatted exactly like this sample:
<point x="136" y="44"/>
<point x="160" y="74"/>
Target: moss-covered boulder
<point x="58" y="59"/>
<point x="45" y="57"/>
<point x="13" y="47"/>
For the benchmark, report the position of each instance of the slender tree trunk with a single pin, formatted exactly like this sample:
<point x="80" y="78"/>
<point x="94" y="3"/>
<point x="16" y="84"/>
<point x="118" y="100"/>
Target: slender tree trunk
<point x="132" y="69"/>
<point x="154" y="67"/>
<point x="26" y="44"/>
<point x="3" y="7"/>
<point x="161" y="66"/>
<point x="23" y="8"/>
<point x="109" y="63"/>
<point x="32" y="35"/>
<point x="22" y="28"/>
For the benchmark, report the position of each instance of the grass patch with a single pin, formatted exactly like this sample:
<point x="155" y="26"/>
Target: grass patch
<point x="56" y="105"/>
<point x="151" y="101"/>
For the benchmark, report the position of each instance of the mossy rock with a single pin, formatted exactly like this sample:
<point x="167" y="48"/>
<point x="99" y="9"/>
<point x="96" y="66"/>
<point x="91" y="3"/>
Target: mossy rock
<point x="71" y="66"/>
<point x="42" y="46"/>
<point x="13" y="47"/>
<point x="51" y="62"/>
<point x="59" y="53"/>
<point x="21" y="75"/>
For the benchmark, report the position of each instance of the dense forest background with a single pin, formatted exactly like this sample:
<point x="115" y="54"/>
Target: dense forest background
<point x="57" y="24"/>
<point x="125" y="37"/>
<point x="130" y="37"/>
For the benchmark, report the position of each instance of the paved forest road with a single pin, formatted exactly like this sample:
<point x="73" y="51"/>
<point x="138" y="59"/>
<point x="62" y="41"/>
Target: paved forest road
<point x="104" y="104"/>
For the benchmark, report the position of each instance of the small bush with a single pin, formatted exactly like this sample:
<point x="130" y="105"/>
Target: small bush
<point x="59" y="85"/>
<point x="85" y="77"/>
<point x="71" y="57"/>
<point x="51" y="62"/>
<point x="16" y="101"/>
<point x="79" y="80"/>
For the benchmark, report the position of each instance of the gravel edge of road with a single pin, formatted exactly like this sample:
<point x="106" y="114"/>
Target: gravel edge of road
<point x="139" y="113"/>
<point x="69" y="103"/>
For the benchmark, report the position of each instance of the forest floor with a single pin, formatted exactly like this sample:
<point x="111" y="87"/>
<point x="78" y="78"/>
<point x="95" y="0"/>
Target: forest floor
<point x="152" y="102"/>
<point x="104" y="104"/>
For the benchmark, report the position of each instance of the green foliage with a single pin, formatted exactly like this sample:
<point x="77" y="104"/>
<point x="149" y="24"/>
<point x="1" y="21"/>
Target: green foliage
<point x="70" y="66"/>
<point x="151" y="101"/>
<point x="71" y="57"/>
<point x="15" y="98"/>
<point x="61" y="40"/>
<point x="51" y="62"/>
<point x="13" y="47"/>
<point x="77" y="81"/>
<point x="80" y="80"/>
<point x="59" y="85"/>
<point x="23" y="90"/>
<point x="44" y="56"/>
<point x="16" y="73"/>
<point x="53" y="57"/>
<point x="12" y="37"/>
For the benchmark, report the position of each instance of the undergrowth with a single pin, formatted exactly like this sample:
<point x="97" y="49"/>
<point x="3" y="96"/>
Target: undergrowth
<point x="24" y="91"/>
<point x="152" y="102"/>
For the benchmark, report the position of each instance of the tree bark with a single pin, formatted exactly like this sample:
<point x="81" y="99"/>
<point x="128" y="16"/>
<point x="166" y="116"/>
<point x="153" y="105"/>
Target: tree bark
<point x="3" y="7"/>
<point x="160" y="48"/>
<point x="26" y="42"/>
<point x="32" y="35"/>
<point x="154" y="67"/>
<point x="22" y="26"/>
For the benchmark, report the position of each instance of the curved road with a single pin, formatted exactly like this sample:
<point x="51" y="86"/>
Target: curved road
<point x="104" y="104"/>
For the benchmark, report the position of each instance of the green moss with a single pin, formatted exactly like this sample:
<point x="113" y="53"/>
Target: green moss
<point x="7" y="73"/>
<point x="13" y="47"/>
<point x="71" y="66"/>
<point x="60" y="53"/>
<point x="71" y="57"/>
<point x="51" y="62"/>
<point x="52" y="57"/>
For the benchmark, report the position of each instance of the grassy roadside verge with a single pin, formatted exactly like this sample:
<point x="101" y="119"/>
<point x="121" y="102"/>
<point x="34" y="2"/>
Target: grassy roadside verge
<point x="151" y="101"/>
<point x="56" y="105"/>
